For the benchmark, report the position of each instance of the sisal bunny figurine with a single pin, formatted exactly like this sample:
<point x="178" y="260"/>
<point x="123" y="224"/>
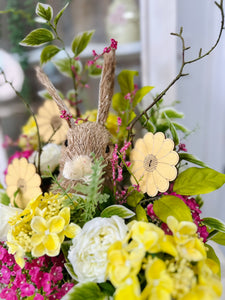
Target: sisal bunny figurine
<point x="88" y="137"/>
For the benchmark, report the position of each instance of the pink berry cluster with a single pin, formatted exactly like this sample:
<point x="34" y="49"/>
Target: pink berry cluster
<point x="113" y="45"/>
<point x="65" y="115"/>
<point x="130" y="96"/>
<point x="195" y="211"/>
<point x="42" y="278"/>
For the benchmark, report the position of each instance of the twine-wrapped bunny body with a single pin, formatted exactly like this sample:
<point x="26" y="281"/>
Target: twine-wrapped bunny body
<point x="88" y="137"/>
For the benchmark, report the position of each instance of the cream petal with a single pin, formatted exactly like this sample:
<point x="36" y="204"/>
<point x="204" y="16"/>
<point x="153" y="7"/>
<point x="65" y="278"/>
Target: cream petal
<point x="161" y="183"/>
<point x="151" y="188"/>
<point x="142" y="182"/>
<point x="139" y="173"/>
<point x="166" y="148"/>
<point x="32" y="193"/>
<point x="34" y="180"/>
<point x="167" y="171"/>
<point x="159" y="138"/>
<point x="140" y="146"/>
<point x="30" y="171"/>
<point x="23" y="166"/>
<point x="149" y="141"/>
<point x="137" y="155"/>
<point x="11" y="189"/>
<point x="38" y="251"/>
<point x="171" y="158"/>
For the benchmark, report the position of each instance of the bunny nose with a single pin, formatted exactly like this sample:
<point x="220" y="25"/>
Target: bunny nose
<point x="77" y="168"/>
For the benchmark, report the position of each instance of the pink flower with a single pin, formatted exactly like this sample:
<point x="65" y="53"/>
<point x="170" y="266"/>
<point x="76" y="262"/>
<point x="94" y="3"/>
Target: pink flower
<point x="27" y="290"/>
<point x="36" y="276"/>
<point x="20" y="279"/>
<point x="5" y="275"/>
<point x="8" y="294"/>
<point x="56" y="274"/>
<point x="46" y="283"/>
<point x="182" y="147"/>
<point x="38" y="297"/>
<point x="151" y="212"/>
<point x="113" y="44"/>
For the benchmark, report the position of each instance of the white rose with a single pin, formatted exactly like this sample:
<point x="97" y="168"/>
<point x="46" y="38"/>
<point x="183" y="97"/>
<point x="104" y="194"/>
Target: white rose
<point x="88" y="254"/>
<point x="6" y="212"/>
<point x="49" y="158"/>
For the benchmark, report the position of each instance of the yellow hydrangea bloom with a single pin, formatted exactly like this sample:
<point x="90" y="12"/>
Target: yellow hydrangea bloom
<point x="153" y="163"/>
<point x="23" y="180"/>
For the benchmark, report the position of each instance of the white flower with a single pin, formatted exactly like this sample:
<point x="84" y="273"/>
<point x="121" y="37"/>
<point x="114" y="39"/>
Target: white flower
<point x="88" y="254"/>
<point x="49" y="158"/>
<point x="6" y="212"/>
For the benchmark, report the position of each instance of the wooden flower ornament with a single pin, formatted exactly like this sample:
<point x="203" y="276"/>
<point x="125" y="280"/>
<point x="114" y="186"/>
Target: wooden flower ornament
<point x="88" y="137"/>
<point x="153" y="163"/>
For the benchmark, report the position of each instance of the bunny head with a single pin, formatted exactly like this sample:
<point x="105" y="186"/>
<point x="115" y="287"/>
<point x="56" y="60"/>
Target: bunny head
<point x="86" y="138"/>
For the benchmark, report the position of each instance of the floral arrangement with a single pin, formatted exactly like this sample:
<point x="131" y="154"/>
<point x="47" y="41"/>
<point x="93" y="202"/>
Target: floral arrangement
<point x="141" y="235"/>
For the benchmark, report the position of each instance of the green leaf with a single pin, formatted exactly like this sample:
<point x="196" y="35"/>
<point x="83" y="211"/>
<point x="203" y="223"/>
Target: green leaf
<point x="119" y="104"/>
<point x="191" y="158"/>
<point x="58" y="16"/>
<point x="141" y="214"/>
<point x="44" y="11"/>
<point x="126" y="81"/>
<point x="38" y="37"/>
<point x="172" y="114"/>
<point x="147" y="124"/>
<point x="70" y="270"/>
<point x="64" y="66"/>
<point x="172" y="206"/>
<point x="214" y="224"/>
<point x="180" y="127"/>
<point x="194" y="181"/>
<point x="48" y="52"/>
<point x="118" y="210"/>
<point x="107" y="288"/>
<point x="132" y="115"/>
<point x="219" y="238"/>
<point x="212" y="255"/>
<point x="4" y="199"/>
<point x="173" y="130"/>
<point x="81" y="41"/>
<point x="140" y="94"/>
<point x="86" y="291"/>
<point x="134" y="198"/>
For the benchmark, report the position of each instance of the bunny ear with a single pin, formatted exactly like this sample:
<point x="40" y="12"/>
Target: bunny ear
<point x="43" y="78"/>
<point x="106" y="86"/>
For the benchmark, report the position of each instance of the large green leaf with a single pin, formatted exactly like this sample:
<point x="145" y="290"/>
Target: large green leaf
<point x="118" y="210"/>
<point x="194" y="181"/>
<point x="134" y="198"/>
<point x="38" y="37"/>
<point x="172" y="114"/>
<point x="44" y="11"/>
<point x="64" y="66"/>
<point x="126" y="81"/>
<point x="119" y="104"/>
<point x="140" y="94"/>
<point x="219" y="238"/>
<point x="172" y="206"/>
<point x="86" y="291"/>
<point x="141" y="213"/>
<point x="214" y="224"/>
<point x="191" y="158"/>
<point x="48" y="52"/>
<point x="81" y="41"/>
<point x="58" y="16"/>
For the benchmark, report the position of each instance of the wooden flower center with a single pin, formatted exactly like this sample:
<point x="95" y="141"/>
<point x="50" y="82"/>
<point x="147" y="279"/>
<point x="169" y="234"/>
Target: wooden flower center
<point x="150" y="163"/>
<point x="56" y="122"/>
<point x="21" y="184"/>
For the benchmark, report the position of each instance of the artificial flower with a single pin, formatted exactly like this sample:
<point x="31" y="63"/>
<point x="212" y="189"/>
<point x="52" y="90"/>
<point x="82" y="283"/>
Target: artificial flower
<point x="23" y="183"/>
<point x="153" y="163"/>
<point x="51" y="126"/>
<point x="88" y="254"/>
<point x="49" y="159"/>
<point x="28" y="138"/>
<point x="6" y="213"/>
<point x="129" y="290"/>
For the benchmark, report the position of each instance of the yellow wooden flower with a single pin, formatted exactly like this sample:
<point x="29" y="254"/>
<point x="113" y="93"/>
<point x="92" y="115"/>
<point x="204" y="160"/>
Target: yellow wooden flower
<point x="153" y="163"/>
<point x="23" y="183"/>
<point x="49" y="121"/>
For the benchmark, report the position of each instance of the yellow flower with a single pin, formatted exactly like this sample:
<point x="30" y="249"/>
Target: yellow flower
<point x="70" y="229"/>
<point x="23" y="180"/>
<point x="49" y="121"/>
<point x="45" y="240"/>
<point x="159" y="283"/>
<point x="18" y="253"/>
<point x="129" y="290"/>
<point x="153" y="163"/>
<point x="29" y="135"/>
<point x="201" y="292"/>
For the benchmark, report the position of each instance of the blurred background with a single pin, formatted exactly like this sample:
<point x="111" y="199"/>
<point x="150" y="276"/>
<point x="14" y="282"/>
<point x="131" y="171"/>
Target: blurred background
<point x="142" y="29"/>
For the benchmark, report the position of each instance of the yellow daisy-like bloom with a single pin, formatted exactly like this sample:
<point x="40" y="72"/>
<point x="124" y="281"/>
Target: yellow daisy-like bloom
<point x="49" y="121"/>
<point x="23" y="183"/>
<point x="29" y="135"/>
<point x="153" y="163"/>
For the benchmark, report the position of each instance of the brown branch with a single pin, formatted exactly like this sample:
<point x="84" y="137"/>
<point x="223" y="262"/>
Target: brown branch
<point x="183" y="64"/>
